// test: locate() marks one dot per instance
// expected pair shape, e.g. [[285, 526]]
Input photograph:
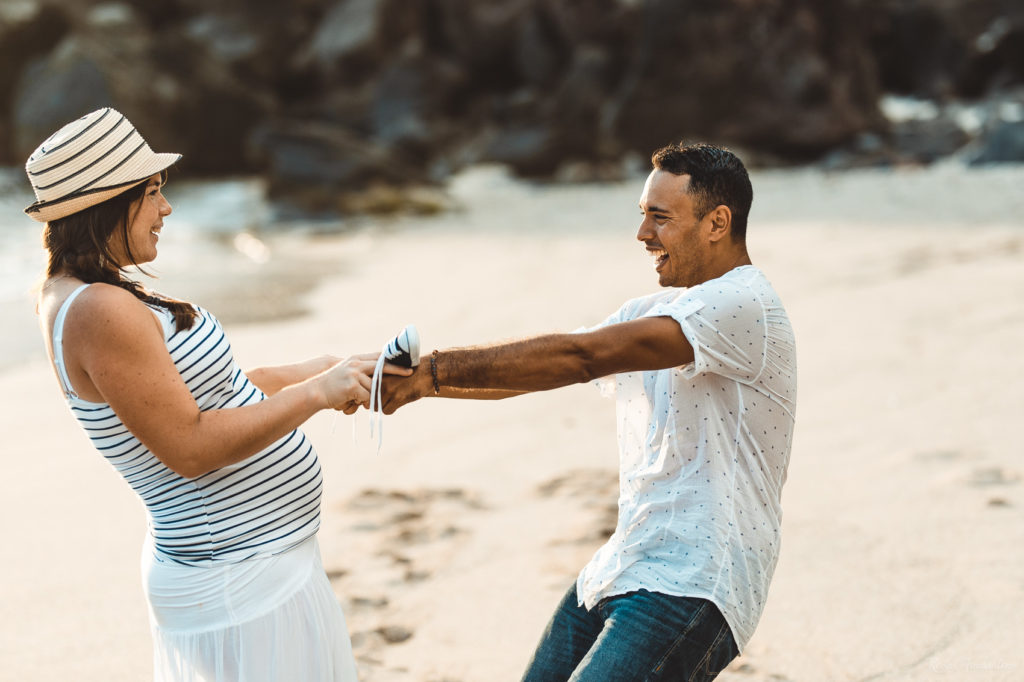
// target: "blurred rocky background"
[[329, 99]]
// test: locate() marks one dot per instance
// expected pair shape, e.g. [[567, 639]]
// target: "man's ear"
[[721, 222]]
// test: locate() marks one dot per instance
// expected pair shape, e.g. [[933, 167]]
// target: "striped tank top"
[[262, 505]]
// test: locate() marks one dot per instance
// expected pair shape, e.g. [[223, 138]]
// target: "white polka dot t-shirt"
[[703, 453]]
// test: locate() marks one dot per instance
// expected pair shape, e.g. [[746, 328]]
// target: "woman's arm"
[[112, 337], [270, 380]]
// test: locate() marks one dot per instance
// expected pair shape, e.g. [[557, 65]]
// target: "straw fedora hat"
[[87, 162]]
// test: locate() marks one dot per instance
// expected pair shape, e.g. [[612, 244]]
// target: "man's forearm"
[[543, 362], [536, 364]]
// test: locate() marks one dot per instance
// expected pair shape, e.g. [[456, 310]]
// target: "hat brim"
[[45, 211]]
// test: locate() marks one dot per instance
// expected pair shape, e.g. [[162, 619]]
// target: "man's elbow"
[[586, 363]]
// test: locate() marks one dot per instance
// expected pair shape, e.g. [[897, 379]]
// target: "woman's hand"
[[346, 385]]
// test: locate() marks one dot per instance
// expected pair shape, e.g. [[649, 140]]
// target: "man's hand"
[[397, 391]]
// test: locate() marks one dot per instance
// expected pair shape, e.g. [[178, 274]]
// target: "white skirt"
[[262, 620]]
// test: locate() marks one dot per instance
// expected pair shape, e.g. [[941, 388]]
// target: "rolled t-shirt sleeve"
[[620, 315], [724, 325], [606, 384], [723, 322]]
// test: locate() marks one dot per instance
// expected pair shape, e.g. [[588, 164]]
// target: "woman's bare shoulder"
[[109, 309]]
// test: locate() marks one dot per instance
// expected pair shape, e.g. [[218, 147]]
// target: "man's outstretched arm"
[[544, 362]]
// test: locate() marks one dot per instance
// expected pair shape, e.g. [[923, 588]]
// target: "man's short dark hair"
[[717, 178]]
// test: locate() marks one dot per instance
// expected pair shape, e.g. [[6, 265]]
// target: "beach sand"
[[903, 538]]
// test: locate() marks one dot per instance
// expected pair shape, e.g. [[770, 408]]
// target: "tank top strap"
[[58, 345]]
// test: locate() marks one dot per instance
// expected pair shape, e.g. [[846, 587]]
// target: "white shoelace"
[[376, 415], [376, 400], [392, 349]]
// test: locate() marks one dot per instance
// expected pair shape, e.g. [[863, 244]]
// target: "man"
[[704, 375]]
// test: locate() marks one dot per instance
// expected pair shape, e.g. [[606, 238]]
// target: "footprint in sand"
[[745, 668], [409, 520], [992, 476], [599, 490], [408, 535], [368, 603]]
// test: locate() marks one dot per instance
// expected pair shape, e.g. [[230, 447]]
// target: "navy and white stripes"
[[261, 505]]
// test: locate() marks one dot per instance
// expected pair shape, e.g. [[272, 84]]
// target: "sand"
[[903, 538]]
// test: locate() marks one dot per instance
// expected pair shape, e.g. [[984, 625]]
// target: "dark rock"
[[1004, 143], [480, 35], [926, 141], [867, 150], [394, 634], [179, 96], [576, 106], [312, 165], [397, 113], [53, 92], [27, 32], [259, 42], [410, 93], [802, 82], [949, 49], [226, 37], [348, 29], [524, 148], [916, 49], [541, 49], [329, 97], [997, 60], [303, 154]]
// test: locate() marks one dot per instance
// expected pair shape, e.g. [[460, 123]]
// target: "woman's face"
[[147, 219]]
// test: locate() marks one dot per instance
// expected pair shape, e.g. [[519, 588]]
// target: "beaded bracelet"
[[433, 372]]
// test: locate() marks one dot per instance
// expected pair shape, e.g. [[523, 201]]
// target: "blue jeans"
[[642, 636]]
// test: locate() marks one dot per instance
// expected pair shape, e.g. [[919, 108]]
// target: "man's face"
[[670, 230]]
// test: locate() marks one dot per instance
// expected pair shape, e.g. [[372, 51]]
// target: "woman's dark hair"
[[79, 245], [717, 178]]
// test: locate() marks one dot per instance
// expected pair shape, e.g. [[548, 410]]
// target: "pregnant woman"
[[231, 486]]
